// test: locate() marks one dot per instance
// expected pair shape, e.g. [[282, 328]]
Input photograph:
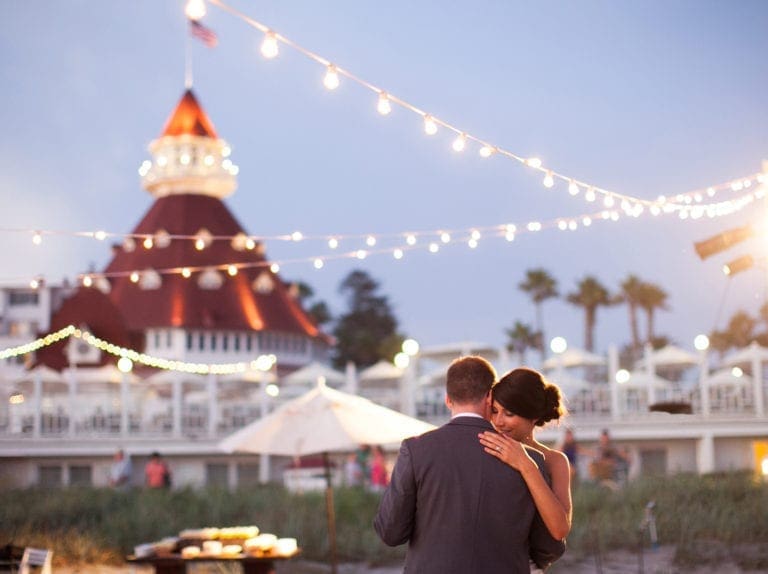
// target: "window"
[[237, 341], [157, 339], [80, 475], [247, 475], [189, 341], [249, 342], [49, 476], [216, 474], [225, 342], [24, 298], [213, 341], [200, 342]]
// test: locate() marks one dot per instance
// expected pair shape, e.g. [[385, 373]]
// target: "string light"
[[486, 151], [269, 47], [384, 107], [459, 143], [195, 9], [548, 180], [37, 239], [430, 126], [331, 79]]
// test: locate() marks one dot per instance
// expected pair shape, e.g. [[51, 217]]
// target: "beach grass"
[[712, 517]]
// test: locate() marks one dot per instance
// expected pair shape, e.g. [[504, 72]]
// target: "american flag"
[[205, 35]]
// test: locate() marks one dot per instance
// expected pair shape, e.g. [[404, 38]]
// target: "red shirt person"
[[156, 472]]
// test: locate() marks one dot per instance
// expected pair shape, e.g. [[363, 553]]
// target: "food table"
[[256, 552], [176, 564]]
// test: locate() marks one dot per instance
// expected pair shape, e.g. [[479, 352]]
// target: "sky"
[[642, 98]]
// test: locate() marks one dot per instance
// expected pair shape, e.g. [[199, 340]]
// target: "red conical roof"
[[189, 119], [181, 302]]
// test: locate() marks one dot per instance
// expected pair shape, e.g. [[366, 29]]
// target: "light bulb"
[[148, 243], [548, 180], [370, 241], [318, 263], [384, 106], [397, 253], [411, 239], [200, 244], [37, 239], [297, 236], [134, 277], [486, 151], [331, 79], [573, 188], [430, 126], [100, 235], [195, 9], [361, 254], [274, 268], [186, 273], [232, 270], [589, 195], [608, 201], [269, 47], [434, 248], [459, 143], [533, 162], [333, 243], [87, 281], [445, 237]]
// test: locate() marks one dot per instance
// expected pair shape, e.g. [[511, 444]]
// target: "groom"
[[460, 510]]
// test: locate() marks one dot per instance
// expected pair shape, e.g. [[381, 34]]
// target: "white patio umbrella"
[[324, 420], [381, 371], [51, 380], [726, 378], [309, 375], [671, 355], [747, 355], [573, 358]]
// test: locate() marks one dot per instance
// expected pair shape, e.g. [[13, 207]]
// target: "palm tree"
[[540, 286], [631, 293], [651, 298], [590, 295], [520, 338]]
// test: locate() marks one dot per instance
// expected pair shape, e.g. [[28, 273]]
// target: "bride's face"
[[510, 424]]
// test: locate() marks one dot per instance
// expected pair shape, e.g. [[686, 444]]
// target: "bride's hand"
[[506, 450]]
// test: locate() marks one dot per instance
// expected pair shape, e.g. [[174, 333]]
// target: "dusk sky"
[[641, 98]]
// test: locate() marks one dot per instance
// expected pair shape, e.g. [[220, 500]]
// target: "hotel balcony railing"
[[592, 404]]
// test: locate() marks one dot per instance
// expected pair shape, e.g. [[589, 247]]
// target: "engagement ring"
[[498, 448]]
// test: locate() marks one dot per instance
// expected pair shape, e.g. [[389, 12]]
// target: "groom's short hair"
[[469, 379]]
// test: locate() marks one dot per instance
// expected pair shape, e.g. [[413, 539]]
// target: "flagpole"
[[188, 62]]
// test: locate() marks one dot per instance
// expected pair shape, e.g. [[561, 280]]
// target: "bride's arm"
[[553, 504]]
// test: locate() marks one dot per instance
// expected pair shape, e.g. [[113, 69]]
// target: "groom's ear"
[[448, 402]]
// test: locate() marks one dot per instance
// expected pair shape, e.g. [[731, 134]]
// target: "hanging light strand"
[[487, 149]]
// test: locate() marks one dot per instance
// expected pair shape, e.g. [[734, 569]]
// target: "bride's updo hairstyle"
[[525, 392]]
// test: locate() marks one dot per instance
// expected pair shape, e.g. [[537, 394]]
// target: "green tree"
[[520, 338], [540, 286], [651, 297], [367, 332], [590, 294], [631, 289], [318, 311]]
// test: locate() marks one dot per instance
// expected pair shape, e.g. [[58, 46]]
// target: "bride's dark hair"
[[527, 393]]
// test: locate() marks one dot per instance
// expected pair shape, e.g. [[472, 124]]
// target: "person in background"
[[352, 474], [379, 478], [570, 448], [610, 465], [363, 456], [524, 400], [459, 510], [120, 471], [156, 472]]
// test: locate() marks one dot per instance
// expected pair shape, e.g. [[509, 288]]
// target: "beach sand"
[[658, 561]]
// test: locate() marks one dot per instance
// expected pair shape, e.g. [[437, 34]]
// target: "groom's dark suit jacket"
[[460, 509]]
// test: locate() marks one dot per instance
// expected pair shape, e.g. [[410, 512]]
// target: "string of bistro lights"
[[691, 205], [432, 241], [684, 202], [263, 363]]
